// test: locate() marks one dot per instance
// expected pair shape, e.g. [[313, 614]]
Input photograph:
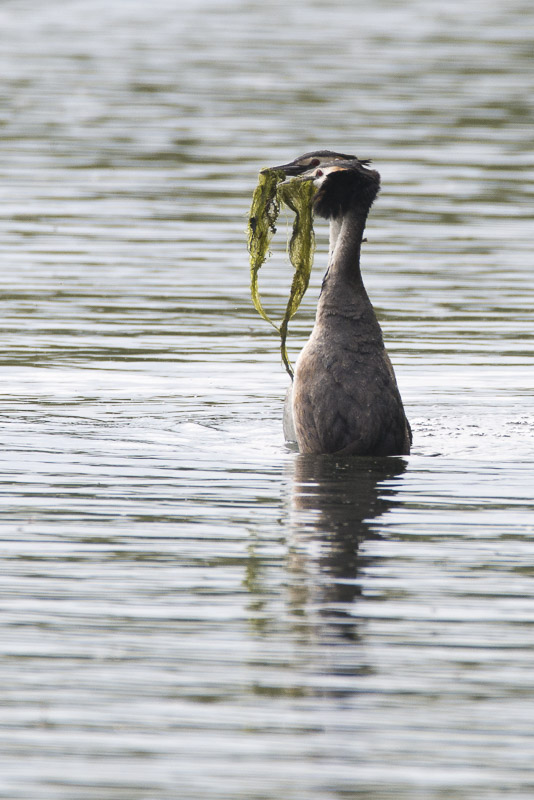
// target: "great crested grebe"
[[344, 398]]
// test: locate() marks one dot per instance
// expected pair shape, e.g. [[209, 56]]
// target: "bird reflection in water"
[[335, 505]]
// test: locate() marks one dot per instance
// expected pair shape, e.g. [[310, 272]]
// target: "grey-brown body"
[[345, 397]]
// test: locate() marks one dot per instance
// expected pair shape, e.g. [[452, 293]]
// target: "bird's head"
[[310, 160], [342, 185]]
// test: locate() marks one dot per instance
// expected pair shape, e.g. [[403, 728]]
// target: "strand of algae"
[[261, 229], [268, 196]]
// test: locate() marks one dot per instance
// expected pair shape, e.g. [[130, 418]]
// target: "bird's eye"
[[315, 162]]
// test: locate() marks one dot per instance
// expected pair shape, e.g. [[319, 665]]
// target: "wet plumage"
[[345, 397]]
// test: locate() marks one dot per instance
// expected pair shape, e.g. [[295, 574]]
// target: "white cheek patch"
[[322, 174]]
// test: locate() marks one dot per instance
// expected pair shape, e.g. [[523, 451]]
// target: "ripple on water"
[[187, 602]]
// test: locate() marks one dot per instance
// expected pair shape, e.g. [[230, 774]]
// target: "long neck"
[[343, 296], [335, 227], [346, 235]]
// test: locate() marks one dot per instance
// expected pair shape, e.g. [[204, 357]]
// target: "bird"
[[314, 159], [344, 399]]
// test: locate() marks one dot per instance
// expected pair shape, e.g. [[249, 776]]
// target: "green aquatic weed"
[[261, 229], [268, 196]]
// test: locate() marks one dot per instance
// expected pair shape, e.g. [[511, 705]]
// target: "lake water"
[[189, 609]]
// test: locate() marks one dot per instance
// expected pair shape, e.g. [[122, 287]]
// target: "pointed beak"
[[288, 169]]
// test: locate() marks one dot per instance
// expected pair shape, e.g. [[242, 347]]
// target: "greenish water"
[[188, 608]]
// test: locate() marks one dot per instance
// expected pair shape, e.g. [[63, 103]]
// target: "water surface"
[[190, 609]]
